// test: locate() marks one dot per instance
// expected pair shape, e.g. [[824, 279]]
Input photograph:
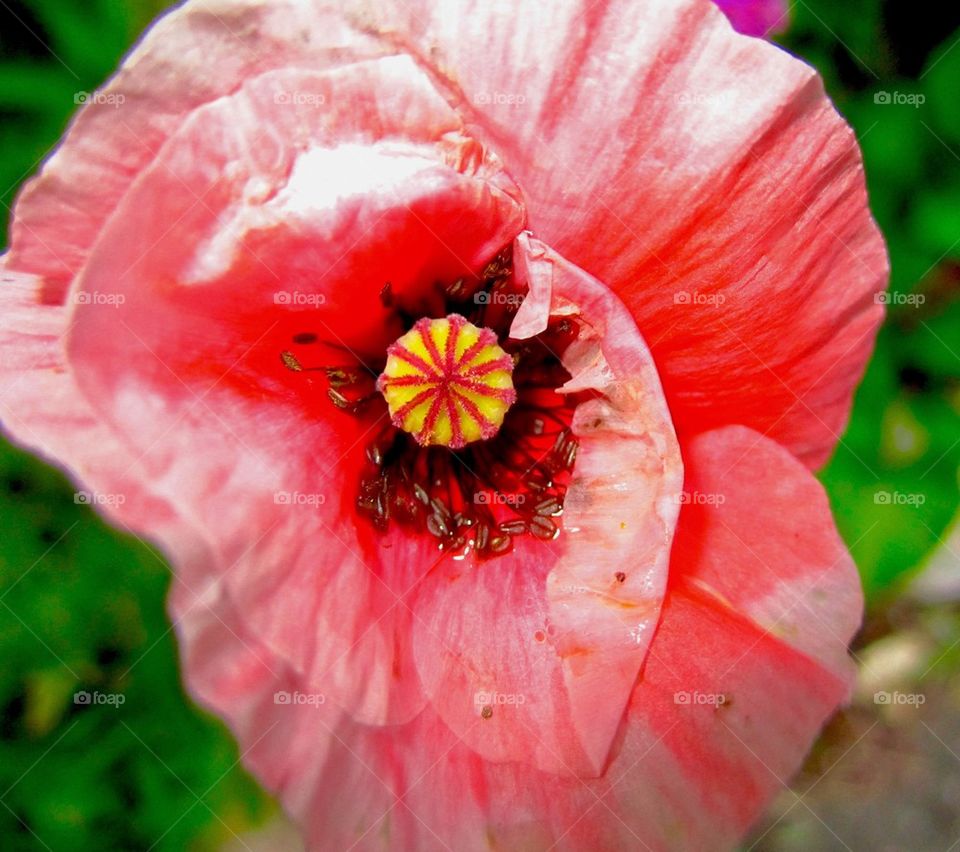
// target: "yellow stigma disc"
[[448, 382]]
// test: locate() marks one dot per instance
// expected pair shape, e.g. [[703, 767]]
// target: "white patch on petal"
[[323, 177], [320, 181]]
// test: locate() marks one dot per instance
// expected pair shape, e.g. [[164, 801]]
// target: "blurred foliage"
[[51, 51], [895, 75], [81, 605], [82, 611]]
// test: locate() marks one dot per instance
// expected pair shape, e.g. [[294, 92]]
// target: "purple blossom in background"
[[757, 17]]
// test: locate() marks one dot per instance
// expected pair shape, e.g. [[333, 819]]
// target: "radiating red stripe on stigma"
[[407, 407], [402, 352]]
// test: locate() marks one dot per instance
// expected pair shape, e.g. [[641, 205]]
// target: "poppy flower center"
[[448, 382], [477, 449]]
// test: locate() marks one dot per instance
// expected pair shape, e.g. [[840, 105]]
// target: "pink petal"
[[559, 631], [42, 408], [685, 775], [755, 535]]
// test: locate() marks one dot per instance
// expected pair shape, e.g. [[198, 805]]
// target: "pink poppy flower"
[[575, 586]]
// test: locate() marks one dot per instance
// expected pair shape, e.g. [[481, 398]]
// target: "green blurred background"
[[82, 606]]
